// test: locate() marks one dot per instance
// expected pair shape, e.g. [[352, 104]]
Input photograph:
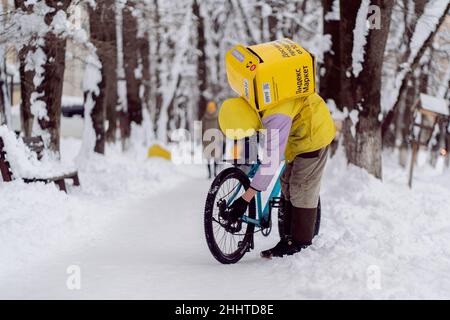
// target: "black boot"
[[303, 226], [284, 219], [280, 249], [209, 170], [215, 169], [302, 233], [284, 227]]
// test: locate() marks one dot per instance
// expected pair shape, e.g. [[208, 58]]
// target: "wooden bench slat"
[[4, 164]]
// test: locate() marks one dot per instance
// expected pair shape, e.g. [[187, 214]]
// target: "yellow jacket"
[[312, 126]]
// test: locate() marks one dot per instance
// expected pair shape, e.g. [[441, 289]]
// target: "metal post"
[[413, 161]]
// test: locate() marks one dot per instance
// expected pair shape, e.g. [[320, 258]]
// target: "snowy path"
[[148, 253], [378, 240]]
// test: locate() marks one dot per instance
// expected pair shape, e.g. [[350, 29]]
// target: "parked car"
[[72, 121], [72, 106]]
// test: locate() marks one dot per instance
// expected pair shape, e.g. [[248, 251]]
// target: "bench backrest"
[[36, 144], [4, 164]]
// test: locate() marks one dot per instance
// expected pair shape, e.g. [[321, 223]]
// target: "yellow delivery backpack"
[[268, 73]]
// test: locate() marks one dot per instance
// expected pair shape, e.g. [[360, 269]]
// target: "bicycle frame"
[[263, 213]]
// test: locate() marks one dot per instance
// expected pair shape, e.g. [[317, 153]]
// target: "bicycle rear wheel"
[[228, 242]]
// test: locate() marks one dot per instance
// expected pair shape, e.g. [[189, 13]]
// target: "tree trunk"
[[201, 63], [110, 71], [144, 51], [103, 36], [2, 91], [122, 113], [51, 86], [98, 30], [362, 93], [26, 88], [49, 91], [158, 94], [272, 20], [131, 64], [330, 87], [26, 81]]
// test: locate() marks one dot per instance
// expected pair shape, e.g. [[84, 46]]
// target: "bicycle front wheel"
[[228, 242]]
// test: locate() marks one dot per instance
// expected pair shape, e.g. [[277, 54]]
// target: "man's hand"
[[249, 194], [237, 209]]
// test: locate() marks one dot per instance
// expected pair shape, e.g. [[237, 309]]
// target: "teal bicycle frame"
[[263, 213]]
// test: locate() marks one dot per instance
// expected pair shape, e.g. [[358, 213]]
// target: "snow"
[[135, 230], [24, 163], [426, 24], [434, 104], [59, 23], [334, 14], [360, 38], [335, 112], [72, 101]]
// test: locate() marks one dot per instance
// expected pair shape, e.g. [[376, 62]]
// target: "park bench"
[[36, 145]]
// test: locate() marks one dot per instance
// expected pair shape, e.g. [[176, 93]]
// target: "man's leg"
[[284, 218], [284, 213], [215, 168], [305, 182], [209, 169]]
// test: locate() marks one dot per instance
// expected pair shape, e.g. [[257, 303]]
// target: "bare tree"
[[361, 90], [131, 64], [202, 76], [26, 79], [144, 55], [103, 36], [48, 91], [407, 91], [330, 87], [158, 82], [110, 71], [2, 90]]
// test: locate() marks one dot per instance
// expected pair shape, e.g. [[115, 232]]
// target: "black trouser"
[[214, 165]]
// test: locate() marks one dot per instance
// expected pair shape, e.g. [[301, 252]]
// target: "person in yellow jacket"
[[301, 129]]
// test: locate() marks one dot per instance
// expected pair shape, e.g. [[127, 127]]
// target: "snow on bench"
[[23, 163], [435, 105]]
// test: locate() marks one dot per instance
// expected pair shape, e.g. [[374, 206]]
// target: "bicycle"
[[217, 203]]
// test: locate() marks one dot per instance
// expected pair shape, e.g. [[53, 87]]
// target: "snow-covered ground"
[[135, 230]]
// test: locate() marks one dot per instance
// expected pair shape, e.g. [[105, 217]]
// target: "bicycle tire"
[[245, 243]]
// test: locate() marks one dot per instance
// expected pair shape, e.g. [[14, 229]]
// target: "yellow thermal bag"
[[268, 73]]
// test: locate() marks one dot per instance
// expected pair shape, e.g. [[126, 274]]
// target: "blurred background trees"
[[158, 63]]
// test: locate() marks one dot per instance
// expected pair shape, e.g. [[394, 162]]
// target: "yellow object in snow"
[[157, 151], [269, 73]]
